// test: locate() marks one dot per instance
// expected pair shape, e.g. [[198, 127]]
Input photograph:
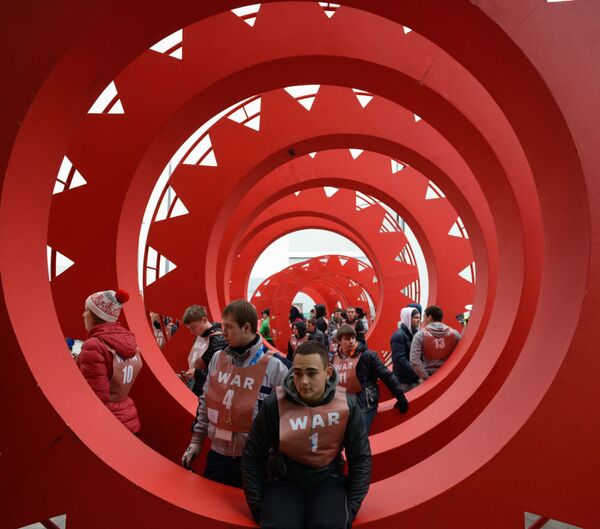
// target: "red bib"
[[312, 436], [232, 393], [125, 371], [438, 348], [198, 349], [346, 368], [295, 342]]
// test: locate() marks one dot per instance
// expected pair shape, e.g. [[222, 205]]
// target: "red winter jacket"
[[96, 364]]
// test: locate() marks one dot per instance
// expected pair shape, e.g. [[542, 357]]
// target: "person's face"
[[427, 320], [416, 320], [347, 344], [310, 327], [351, 313], [88, 319], [296, 331], [234, 334], [198, 327], [310, 377]]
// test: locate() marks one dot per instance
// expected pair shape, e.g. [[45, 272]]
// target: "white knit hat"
[[107, 304]]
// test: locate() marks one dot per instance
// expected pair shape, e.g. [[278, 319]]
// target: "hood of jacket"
[[320, 311], [292, 393], [116, 337], [301, 326], [406, 318], [438, 329]]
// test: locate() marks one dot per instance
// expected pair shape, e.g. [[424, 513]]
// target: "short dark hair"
[[435, 312], [312, 347], [194, 313], [266, 311], [345, 330], [243, 312], [312, 321]]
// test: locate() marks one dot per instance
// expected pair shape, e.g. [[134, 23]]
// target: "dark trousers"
[[368, 417], [223, 469], [287, 505]]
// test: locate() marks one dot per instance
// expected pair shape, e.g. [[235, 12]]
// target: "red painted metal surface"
[[501, 82]]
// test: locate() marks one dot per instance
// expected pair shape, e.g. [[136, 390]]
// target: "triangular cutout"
[[254, 123], [329, 8], [166, 266], [179, 209], [374, 279], [468, 273], [535, 520], [58, 263], [77, 180], [324, 260], [406, 30], [361, 267], [171, 45], [364, 100], [330, 191], [312, 154], [209, 160], [356, 152], [431, 194], [304, 94], [396, 166], [117, 108], [257, 294], [307, 102], [108, 102], [361, 203], [417, 118], [458, 230], [343, 261], [247, 13]]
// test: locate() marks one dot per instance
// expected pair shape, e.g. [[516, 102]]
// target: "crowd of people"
[[291, 430]]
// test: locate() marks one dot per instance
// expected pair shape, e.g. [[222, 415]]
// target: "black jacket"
[[263, 445], [215, 343], [369, 370], [400, 345], [360, 330]]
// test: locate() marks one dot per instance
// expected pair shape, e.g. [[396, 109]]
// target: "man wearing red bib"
[[239, 378], [433, 344], [359, 370], [300, 431]]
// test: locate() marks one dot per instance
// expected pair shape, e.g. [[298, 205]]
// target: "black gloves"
[[402, 404]]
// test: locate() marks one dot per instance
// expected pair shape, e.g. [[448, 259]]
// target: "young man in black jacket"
[[301, 430], [359, 370], [209, 340]]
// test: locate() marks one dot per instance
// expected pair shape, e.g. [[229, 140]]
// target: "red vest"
[[198, 349], [232, 393], [125, 371], [312, 436], [346, 368], [438, 348], [295, 342]]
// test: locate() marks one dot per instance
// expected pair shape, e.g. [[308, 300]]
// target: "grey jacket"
[[423, 366], [274, 375]]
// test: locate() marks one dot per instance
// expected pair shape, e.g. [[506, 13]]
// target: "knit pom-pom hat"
[[107, 304]]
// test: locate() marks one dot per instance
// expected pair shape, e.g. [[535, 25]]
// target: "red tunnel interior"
[[475, 123]]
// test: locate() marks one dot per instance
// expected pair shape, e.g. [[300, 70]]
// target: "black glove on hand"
[[402, 404]]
